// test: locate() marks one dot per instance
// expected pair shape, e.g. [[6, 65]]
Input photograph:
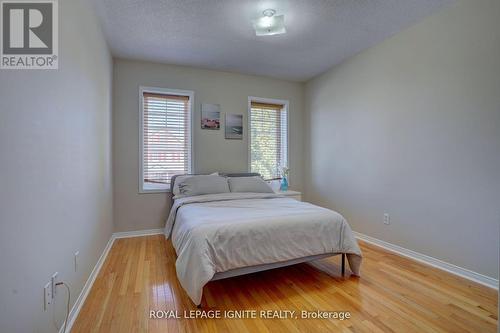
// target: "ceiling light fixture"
[[269, 24]]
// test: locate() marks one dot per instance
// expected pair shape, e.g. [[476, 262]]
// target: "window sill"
[[154, 188]]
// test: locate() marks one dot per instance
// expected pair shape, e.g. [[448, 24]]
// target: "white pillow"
[[179, 179], [249, 184], [203, 184]]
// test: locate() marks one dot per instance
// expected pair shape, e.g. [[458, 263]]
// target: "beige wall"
[[412, 127], [55, 172], [134, 211]]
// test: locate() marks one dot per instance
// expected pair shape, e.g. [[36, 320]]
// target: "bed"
[[222, 235]]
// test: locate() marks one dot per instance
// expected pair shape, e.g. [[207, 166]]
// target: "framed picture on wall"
[[234, 126], [210, 116]]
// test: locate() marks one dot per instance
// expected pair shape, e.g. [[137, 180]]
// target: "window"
[[165, 137], [268, 121]]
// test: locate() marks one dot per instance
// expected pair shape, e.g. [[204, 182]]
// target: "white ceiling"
[[218, 34]]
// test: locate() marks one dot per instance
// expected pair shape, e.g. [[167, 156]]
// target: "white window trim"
[[283, 102], [143, 89]]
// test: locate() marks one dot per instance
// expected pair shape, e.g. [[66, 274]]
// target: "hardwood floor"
[[394, 294]]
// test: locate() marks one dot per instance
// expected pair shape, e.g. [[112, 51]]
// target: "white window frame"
[[285, 104], [167, 91]]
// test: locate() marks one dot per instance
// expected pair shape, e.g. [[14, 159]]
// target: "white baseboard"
[[463, 272], [75, 310], [73, 314], [138, 233]]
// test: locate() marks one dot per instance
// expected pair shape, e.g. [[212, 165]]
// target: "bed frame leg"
[[343, 264]]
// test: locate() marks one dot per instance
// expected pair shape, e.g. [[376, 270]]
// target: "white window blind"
[[268, 138], [166, 136]]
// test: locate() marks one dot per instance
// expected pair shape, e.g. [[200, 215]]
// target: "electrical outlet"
[[47, 295], [53, 281], [387, 219], [77, 254]]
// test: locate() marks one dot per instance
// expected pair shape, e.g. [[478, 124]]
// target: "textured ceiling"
[[218, 34]]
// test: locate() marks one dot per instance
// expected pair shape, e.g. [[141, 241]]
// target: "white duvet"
[[219, 232]]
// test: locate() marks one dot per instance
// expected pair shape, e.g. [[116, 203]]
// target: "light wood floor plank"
[[395, 294]]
